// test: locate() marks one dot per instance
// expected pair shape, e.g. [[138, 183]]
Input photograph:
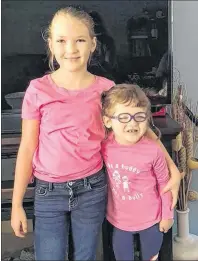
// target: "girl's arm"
[[23, 171], [175, 175]]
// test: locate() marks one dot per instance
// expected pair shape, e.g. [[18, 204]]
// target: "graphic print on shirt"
[[125, 184], [116, 177], [120, 185]]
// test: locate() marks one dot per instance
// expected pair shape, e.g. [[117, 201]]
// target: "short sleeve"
[[30, 108], [110, 85], [105, 84]]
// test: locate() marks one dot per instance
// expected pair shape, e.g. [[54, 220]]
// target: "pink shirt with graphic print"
[[71, 129], [137, 174]]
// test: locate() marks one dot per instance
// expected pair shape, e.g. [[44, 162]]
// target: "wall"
[[185, 44], [23, 21], [185, 57]]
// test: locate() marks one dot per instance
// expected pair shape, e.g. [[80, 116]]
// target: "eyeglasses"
[[127, 117]]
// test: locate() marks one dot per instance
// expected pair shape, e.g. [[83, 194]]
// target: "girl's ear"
[[50, 45], [94, 44], [107, 122]]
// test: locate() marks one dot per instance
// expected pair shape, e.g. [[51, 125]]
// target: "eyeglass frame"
[[132, 117]]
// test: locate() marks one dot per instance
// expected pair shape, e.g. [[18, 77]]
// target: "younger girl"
[[137, 174]]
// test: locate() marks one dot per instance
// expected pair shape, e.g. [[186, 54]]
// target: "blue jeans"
[[150, 243], [81, 204]]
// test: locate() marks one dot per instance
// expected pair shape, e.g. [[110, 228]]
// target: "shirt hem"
[[65, 178], [135, 228]]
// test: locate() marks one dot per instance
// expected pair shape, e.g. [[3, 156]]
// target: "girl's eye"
[[140, 118], [124, 117], [81, 40], [61, 41]]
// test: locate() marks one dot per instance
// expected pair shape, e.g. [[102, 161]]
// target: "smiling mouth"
[[132, 131], [72, 58]]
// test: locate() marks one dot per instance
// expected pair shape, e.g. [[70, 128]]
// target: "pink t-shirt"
[[137, 174], [71, 129]]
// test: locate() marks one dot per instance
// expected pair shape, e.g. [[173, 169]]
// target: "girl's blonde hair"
[[75, 12], [128, 94]]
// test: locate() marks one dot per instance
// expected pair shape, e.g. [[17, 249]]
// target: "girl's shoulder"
[[104, 84], [149, 143], [153, 147], [38, 84]]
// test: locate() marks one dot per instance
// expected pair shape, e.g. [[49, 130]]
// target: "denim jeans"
[[81, 204]]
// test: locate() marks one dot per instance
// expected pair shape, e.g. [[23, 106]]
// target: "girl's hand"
[[173, 185], [165, 225], [19, 221]]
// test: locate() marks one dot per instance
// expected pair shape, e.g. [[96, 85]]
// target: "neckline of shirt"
[[112, 139], [66, 91]]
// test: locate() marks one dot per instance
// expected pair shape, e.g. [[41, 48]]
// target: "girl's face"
[[71, 43], [130, 132]]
